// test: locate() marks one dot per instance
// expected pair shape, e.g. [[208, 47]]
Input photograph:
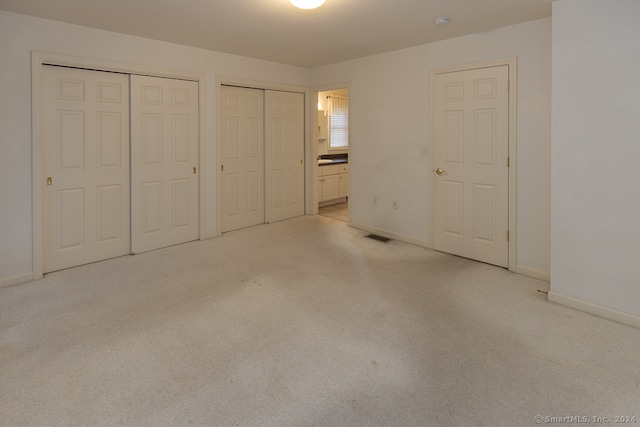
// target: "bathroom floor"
[[339, 211]]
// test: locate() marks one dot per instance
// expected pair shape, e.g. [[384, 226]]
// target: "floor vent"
[[378, 238]]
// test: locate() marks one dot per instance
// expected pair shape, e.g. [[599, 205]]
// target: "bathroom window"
[[338, 123]]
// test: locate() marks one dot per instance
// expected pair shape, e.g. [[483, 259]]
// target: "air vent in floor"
[[378, 238]]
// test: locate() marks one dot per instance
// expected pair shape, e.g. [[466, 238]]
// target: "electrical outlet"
[[375, 200], [394, 204]]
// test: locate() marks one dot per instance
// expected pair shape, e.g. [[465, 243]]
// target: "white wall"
[[596, 155], [390, 113], [19, 35]]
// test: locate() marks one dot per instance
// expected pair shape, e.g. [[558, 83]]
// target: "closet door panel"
[[86, 166], [284, 145], [164, 162], [242, 157]]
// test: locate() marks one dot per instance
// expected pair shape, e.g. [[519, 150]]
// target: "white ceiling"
[[274, 30]]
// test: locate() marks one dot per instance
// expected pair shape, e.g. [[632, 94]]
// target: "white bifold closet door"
[[262, 151], [106, 195], [164, 161]]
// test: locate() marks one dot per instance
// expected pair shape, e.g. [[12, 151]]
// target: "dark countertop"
[[335, 159], [333, 162]]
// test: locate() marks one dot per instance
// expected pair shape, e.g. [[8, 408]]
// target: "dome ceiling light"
[[307, 4]]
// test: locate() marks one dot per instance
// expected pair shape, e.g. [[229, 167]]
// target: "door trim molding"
[[222, 80], [512, 63], [38, 60]]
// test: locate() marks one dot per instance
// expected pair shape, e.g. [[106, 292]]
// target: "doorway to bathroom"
[[333, 153]]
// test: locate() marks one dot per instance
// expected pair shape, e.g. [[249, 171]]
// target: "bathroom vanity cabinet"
[[333, 181]]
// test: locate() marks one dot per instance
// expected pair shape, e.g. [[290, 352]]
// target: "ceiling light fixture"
[[307, 4], [443, 20]]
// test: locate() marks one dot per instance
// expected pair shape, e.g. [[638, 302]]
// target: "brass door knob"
[[440, 171]]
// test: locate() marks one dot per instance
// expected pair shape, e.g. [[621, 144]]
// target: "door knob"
[[440, 171]]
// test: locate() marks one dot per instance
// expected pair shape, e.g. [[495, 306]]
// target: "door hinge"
[[195, 170], [508, 161], [221, 168], [508, 87], [508, 236]]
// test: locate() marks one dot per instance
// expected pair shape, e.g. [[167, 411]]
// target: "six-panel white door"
[[242, 157], [164, 162], [471, 151], [284, 153], [86, 166]]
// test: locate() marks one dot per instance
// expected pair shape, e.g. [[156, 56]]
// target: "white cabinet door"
[[343, 185], [323, 124], [86, 163], [330, 188], [471, 164], [164, 161]]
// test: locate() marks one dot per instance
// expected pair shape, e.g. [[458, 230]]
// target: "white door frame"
[[38, 60], [308, 128], [512, 63]]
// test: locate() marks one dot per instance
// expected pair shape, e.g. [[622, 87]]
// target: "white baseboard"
[[595, 309], [16, 280], [536, 274], [390, 235]]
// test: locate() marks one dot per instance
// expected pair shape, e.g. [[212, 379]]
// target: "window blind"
[[339, 123]]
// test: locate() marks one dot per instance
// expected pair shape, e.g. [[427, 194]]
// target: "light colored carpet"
[[304, 323]]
